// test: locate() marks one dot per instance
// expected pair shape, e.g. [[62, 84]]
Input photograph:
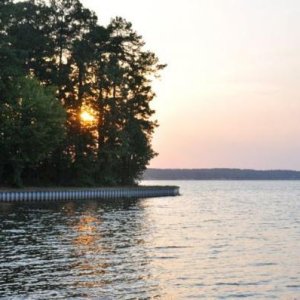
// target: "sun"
[[86, 117]]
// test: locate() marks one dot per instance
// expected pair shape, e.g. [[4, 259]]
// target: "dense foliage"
[[100, 72]]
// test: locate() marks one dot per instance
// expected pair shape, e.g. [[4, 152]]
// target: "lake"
[[219, 239]]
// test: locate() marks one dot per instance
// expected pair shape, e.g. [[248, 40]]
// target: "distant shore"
[[220, 174]]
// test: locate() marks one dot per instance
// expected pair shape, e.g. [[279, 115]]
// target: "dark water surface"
[[220, 239]]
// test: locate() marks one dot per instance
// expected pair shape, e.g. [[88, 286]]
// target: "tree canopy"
[[31, 126], [54, 54]]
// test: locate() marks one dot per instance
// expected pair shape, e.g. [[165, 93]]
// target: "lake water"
[[220, 239]]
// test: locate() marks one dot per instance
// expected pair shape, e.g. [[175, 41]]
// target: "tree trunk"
[[17, 175]]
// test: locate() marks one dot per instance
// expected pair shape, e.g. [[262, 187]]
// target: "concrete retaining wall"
[[89, 193]]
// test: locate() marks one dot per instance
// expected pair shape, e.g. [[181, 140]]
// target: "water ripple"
[[220, 240]]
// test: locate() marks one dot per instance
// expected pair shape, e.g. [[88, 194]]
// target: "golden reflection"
[[84, 240], [85, 223], [87, 230], [88, 243]]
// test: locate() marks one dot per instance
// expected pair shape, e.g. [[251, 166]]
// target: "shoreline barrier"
[[67, 194]]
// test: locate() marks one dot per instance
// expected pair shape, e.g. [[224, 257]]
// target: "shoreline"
[[66, 194]]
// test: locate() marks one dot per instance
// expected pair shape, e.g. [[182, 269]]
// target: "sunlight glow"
[[232, 80], [87, 117]]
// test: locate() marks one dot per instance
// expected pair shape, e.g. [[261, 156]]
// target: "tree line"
[[220, 174], [74, 96]]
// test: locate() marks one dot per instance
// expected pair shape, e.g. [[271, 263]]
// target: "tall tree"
[[10, 58], [125, 125]]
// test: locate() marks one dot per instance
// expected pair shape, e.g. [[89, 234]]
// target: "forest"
[[74, 97]]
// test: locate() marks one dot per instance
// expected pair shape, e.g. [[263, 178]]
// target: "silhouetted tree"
[[104, 69]]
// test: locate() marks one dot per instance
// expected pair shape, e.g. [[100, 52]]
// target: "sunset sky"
[[230, 96]]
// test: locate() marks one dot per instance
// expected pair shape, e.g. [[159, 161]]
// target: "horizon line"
[[213, 168]]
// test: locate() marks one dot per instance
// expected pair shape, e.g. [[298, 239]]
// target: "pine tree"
[[103, 69]]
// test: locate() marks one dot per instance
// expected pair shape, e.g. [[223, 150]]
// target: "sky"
[[230, 95]]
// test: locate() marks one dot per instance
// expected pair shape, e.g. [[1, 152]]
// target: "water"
[[220, 239]]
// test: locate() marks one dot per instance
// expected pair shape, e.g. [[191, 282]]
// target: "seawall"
[[67, 194]]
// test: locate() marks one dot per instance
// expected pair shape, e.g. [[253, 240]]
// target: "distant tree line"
[[220, 174], [74, 96]]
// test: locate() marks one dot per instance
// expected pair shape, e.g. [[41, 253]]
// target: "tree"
[[10, 58], [124, 76], [102, 69], [31, 126]]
